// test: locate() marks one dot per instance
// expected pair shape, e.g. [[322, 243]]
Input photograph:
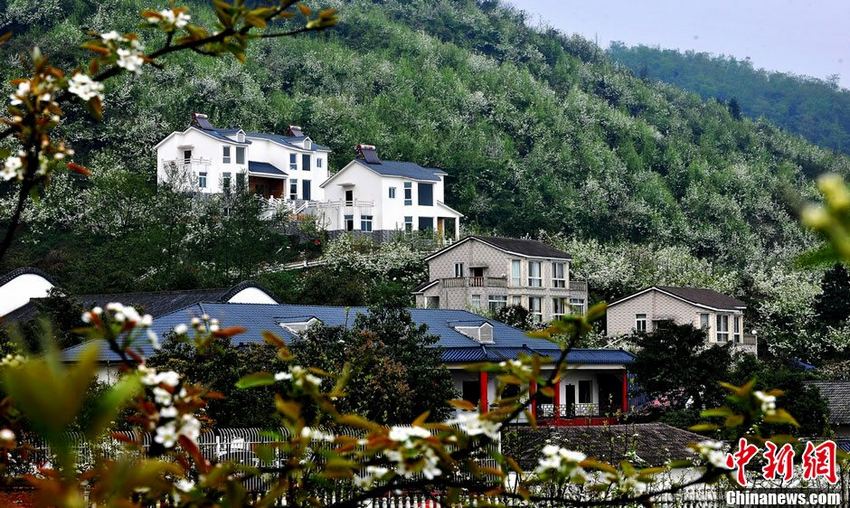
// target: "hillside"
[[816, 109], [539, 133]]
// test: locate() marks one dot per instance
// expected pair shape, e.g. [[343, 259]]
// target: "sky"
[[808, 37]]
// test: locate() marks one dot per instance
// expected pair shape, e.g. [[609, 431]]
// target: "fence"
[[239, 445]]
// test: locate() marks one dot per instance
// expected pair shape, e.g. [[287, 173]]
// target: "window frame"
[[535, 313], [721, 334], [459, 270], [496, 302], [391, 193], [293, 189], [559, 307], [641, 323], [516, 272], [366, 223], [225, 181], [559, 282], [408, 223], [293, 162], [348, 222], [408, 193], [535, 282], [240, 150], [202, 180], [225, 154], [475, 301], [736, 329], [306, 162]]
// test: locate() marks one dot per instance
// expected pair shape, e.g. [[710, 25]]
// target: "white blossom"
[[181, 329], [22, 92], [166, 435], [168, 412], [317, 435], [768, 402], [561, 462], [162, 396], [11, 167], [130, 59], [111, 36], [713, 452], [169, 378], [84, 87], [472, 424], [7, 435], [406, 434]]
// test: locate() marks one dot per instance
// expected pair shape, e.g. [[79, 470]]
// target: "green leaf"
[[113, 401], [256, 379], [703, 427], [781, 416], [716, 412]]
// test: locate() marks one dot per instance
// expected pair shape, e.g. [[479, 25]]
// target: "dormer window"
[[300, 324], [308, 144], [482, 333], [240, 136]]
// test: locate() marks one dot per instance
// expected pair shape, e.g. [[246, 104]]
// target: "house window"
[[349, 222], [458, 269], [722, 328], [577, 305], [703, 321], [318, 162], [516, 300], [408, 224], [349, 197], [475, 301], [736, 336], [305, 162], [305, 189], [535, 279], [293, 162], [640, 323], [496, 302], [293, 188], [426, 223], [225, 181], [240, 137], [432, 302], [472, 391], [426, 194], [225, 154], [187, 156], [559, 307], [408, 193], [516, 270], [392, 192], [585, 391], [558, 280], [365, 223], [202, 180], [240, 182], [535, 307], [240, 155]]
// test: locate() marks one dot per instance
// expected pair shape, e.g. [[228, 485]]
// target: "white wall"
[[387, 213], [17, 292]]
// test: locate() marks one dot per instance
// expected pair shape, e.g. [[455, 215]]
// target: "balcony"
[[578, 286], [748, 344], [475, 282], [346, 204], [192, 164]]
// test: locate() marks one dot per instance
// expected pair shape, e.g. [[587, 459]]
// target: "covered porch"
[[266, 180], [583, 395]]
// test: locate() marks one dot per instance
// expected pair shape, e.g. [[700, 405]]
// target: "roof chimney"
[[295, 130], [201, 121], [367, 153]]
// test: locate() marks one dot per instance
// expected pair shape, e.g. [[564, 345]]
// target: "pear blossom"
[[11, 167], [22, 92], [162, 396], [130, 59], [561, 462], [713, 452], [181, 329], [768, 402], [170, 19], [472, 424], [166, 435], [84, 87], [168, 412]]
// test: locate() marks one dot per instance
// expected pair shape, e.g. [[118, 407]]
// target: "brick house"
[[487, 273], [721, 316]]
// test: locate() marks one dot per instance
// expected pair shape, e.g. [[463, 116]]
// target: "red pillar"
[[625, 391], [532, 389], [485, 406], [556, 400]]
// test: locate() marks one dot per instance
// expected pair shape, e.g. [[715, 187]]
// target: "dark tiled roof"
[[404, 169], [523, 246], [256, 318], [653, 443], [837, 397], [425, 285], [223, 134], [17, 272], [265, 168], [286, 140], [702, 296]]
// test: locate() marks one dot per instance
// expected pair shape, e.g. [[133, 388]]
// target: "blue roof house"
[[593, 390]]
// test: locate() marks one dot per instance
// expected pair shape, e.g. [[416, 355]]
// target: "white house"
[[381, 197], [207, 159], [20, 286]]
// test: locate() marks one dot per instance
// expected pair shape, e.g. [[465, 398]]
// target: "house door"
[[610, 393], [569, 401], [477, 275]]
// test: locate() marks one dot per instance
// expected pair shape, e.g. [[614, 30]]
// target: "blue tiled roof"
[[286, 140], [457, 348], [404, 169], [265, 168], [223, 134]]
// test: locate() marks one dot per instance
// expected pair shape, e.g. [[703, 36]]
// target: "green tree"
[[673, 364], [832, 306], [218, 367], [395, 374]]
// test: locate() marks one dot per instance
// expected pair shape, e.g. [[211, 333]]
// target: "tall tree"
[[832, 306]]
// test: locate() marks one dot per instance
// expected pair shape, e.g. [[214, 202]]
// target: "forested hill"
[[537, 131], [816, 109]]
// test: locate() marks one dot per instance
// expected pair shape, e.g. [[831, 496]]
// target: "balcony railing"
[[578, 286], [475, 282], [568, 410], [346, 203], [186, 164]]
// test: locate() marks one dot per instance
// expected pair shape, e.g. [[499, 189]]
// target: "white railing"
[[345, 203]]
